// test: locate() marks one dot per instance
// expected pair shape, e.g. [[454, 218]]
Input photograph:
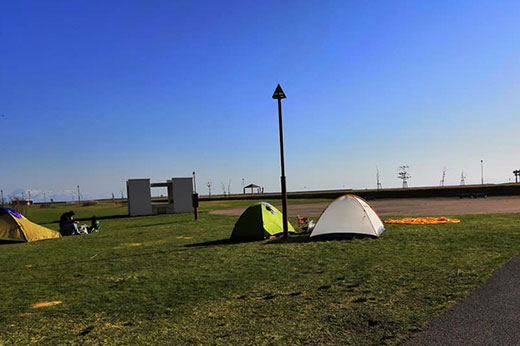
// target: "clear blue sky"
[[96, 92]]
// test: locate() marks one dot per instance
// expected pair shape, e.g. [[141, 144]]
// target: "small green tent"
[[259, 221]]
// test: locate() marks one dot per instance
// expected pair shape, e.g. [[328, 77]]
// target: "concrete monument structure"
[[180, 192]]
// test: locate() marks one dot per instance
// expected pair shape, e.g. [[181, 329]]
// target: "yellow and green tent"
[[15, 227], [259, 221]]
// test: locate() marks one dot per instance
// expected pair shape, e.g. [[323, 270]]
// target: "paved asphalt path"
[[490, 315]]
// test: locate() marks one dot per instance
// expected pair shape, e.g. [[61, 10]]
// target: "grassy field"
[[169, 280]]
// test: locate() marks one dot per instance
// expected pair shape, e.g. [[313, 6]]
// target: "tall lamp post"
[[279, 95], [195, 199]]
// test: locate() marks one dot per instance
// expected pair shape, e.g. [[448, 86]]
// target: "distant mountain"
[[39, 196]]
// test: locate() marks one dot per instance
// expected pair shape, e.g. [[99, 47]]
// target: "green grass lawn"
[[169, 280]]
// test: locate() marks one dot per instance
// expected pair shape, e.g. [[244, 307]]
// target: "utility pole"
[[2, 197], [482, 172], [403, 175], [443, 176], [279, 95], [516, 172], [209, 188], [27, 204], [379, 186], [79, 195]]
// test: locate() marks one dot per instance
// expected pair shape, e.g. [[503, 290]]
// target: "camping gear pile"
[[423, 220], [15, 227], [306, 224]]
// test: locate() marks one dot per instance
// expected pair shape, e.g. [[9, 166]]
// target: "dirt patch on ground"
[[45, 304], [412, 207]]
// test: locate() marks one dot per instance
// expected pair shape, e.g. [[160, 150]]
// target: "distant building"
[[253, 187], [180, 197], [22, 202]]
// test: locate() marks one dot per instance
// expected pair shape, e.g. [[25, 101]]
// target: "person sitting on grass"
[[94, 225], [68, 226]]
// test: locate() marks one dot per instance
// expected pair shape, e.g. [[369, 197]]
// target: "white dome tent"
[[348, 216]]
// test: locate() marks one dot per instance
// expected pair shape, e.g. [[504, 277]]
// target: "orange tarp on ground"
[[423, 220]]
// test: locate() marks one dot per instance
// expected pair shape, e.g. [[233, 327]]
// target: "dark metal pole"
[[482, 172], [195, 199], [282, 178]]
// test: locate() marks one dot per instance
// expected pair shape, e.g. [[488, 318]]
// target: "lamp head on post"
[[278, 93]]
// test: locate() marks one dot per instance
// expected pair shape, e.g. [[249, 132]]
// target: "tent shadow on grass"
[[7, 242], [219, 242], [305, 238], [293, 239], [342, 236]]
